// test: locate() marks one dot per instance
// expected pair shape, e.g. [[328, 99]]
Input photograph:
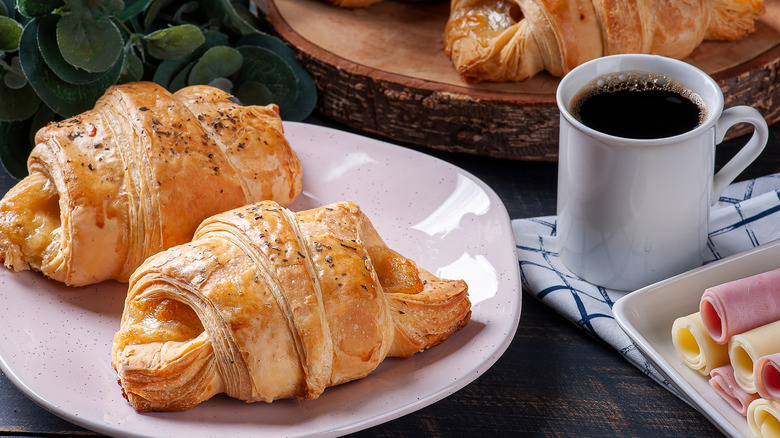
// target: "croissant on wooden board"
[[512, 40], [266, 304], [137, 174]]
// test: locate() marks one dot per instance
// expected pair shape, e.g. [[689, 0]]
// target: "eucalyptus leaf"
[[62, 97], [152, 12], [217, 62], [10, 6], [174, 42], [15, 147], [17, 140], [179, 80], [4, 10], [224, 11], [168, 69], [14, 80], [17, 103], [133, 8], [10, 32], [184, 9], [254, 92], [38, 8], [50, 50], [307, 89], [133, 69], [269, 69], [93, 46], [223, 84]]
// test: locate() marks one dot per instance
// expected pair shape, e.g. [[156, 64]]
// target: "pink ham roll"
[[767, 376], [725, 385], [740, 305]]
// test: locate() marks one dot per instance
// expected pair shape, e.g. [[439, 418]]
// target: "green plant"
[[57, 57]]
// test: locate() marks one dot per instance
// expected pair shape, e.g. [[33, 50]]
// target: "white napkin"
[[746, 215]]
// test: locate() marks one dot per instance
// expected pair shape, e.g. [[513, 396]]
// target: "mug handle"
[[748, 153]]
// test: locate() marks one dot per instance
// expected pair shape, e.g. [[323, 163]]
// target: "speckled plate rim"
[[57, 340], [647, 315]]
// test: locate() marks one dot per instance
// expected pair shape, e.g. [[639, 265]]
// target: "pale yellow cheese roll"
[[746, 348], [763, 417], [695, 346]]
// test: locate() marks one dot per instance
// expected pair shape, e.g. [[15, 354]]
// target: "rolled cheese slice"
[[767, 376], [740, 305], [763, 417], [745, 349], [723, 382], [694, 345]]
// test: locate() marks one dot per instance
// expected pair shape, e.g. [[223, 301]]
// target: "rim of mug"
[[712, 114]]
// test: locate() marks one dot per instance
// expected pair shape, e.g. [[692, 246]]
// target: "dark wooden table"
[[554, 379]]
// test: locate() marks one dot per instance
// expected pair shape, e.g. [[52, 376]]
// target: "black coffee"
[[638, 105]]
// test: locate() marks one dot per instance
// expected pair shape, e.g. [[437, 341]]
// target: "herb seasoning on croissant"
[[266, 304], [137, 174]]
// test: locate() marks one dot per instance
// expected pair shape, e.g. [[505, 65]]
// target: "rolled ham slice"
[[740, 305], [745, 349], [694, 345], [725, 385], [763, 417], [767, 376]]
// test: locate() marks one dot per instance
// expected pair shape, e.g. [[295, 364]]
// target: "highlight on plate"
[[733, 341]]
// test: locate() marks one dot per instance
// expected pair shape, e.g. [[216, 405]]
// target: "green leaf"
[[50, 50], [133, 8], [92, 45], [254, 92], [4, 9], [174, 42], [179, 80], [307, 89], [153, 10], [60, 96], [266, 67], [18, 138], [17, 103], [133, 70], [217, 62], [225, 12], [14, 147], [38, 8], [10, 32], [168, 69]]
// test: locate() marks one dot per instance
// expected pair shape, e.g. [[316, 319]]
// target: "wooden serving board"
[[383, 70]]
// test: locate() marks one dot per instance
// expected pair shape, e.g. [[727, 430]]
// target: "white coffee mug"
[[635, 211]]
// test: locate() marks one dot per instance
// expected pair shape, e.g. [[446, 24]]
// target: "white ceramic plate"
[[56, 341], [647, 316]]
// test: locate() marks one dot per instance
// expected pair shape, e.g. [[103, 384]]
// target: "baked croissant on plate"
[[266, 304], [512, 40], [137, 174]]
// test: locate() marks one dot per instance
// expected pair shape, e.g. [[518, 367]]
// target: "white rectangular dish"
[[647, 316], [56, 343]]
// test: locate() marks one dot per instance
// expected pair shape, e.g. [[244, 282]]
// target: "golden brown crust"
[[139, 172], [512, 40], [266, 304]]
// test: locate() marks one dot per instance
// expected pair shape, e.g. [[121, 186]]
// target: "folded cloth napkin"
[[746, 215]]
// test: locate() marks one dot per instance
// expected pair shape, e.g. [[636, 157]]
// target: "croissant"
[[266, 304], [137, 174], [512, 40]]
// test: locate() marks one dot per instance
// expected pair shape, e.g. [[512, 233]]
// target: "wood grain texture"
[[382, 70]]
